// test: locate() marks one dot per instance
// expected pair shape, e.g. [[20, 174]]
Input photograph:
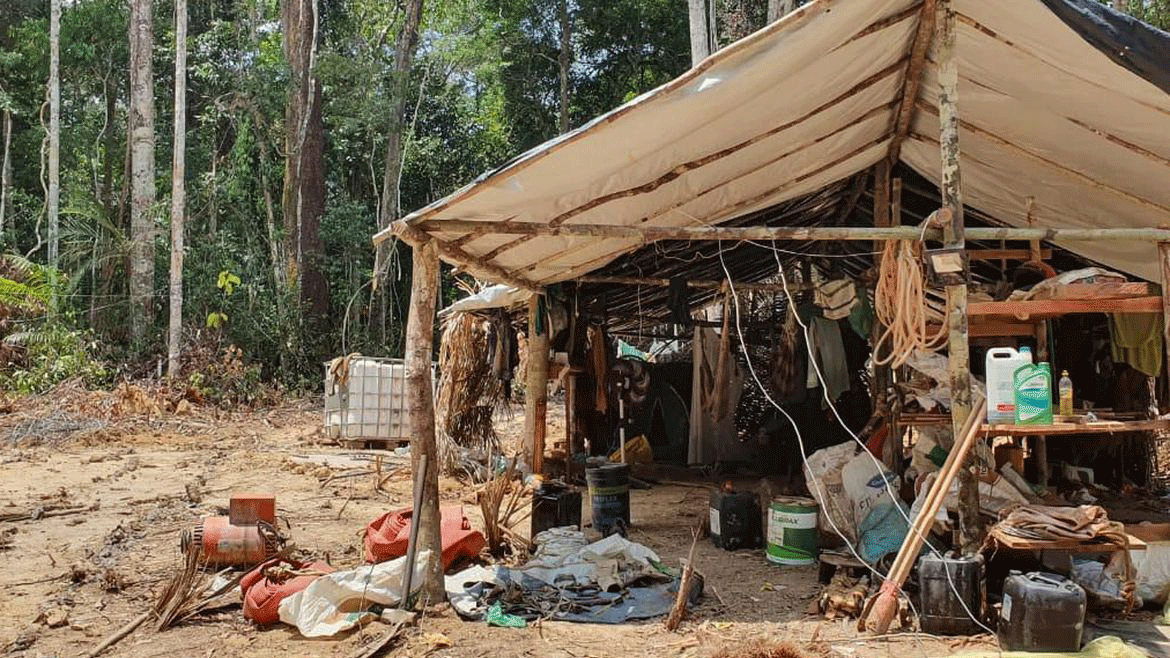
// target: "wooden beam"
[[646, 233], [536, 395], [1006, 254], [1048, 308], [420, 405], [1095, 427], [704, 285], [983, 328], [457, 256], [913, 77]]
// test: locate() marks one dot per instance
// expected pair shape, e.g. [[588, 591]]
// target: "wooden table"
[[1070, 545]]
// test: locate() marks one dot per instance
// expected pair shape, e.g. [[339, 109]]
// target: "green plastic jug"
[[1033, 387]]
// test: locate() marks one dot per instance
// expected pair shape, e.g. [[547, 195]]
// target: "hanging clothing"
[[1136, 339], [599, 368], [861, 316], [836, 298], [829, 350]]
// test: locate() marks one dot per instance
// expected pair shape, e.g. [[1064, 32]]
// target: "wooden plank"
[[1098, 291], [1096, 427], [1056, 307], [1070, 545], [1006, 254]]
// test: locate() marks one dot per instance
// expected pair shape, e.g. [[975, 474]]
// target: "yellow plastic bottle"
[[1066, 394]]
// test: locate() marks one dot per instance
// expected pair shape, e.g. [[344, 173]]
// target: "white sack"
[[341, 600]]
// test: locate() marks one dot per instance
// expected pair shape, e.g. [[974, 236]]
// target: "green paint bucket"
[[792, 531]]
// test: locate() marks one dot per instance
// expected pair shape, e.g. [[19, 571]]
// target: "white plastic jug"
[[1002, 363]]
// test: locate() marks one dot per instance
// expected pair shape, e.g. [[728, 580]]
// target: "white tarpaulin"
[[809, 101]]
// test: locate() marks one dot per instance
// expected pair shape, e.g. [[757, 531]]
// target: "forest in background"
[[305, 125]]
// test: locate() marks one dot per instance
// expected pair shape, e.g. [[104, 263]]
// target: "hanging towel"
[[1136, 339]]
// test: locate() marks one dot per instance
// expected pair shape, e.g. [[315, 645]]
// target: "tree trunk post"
[[54, 200], [6, 171], [959, 366], [536, 397], [420, 404], [700, 32], [178, 192], [142, 184], [564, 61], [1164, 260]]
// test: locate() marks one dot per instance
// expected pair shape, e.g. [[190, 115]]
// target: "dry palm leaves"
[[468, 395], [760, 649], [502, 500], [186, 593]]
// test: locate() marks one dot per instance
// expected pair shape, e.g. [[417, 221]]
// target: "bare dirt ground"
[[144, 473]]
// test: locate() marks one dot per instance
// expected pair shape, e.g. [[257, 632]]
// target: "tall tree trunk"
[[178, 192], [563, 63], [700, 34], [54, 201], [108, 156], [304, 189], [389, 209], [275, 251], [6, 172], [142, 191], [778, 9]]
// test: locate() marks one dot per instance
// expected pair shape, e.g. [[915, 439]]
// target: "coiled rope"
[[900, 305]]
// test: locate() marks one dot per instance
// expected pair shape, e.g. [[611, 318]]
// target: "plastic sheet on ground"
[[341, 600], [1102, 647], [609, 581]]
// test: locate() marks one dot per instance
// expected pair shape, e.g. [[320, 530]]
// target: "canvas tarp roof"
[[1059, 102]]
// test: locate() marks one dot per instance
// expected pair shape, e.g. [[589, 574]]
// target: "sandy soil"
[[71, 580]]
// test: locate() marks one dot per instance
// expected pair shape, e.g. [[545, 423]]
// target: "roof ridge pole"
[[950, 188]]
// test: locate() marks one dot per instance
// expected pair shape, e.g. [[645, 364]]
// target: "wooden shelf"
[[1096, 427], [1050, 308]]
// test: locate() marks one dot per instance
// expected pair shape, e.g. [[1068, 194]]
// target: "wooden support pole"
[[958, 348], [420, 405], [1164, 259], [536, 396], [1040, 441], [881, 373]]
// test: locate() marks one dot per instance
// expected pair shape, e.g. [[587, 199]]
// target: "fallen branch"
[[119, 634], [679, 610], [38, 514]]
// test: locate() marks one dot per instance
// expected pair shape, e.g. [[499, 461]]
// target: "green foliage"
[[49, 354]]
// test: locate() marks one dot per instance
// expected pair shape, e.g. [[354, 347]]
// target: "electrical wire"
[[878, 465]]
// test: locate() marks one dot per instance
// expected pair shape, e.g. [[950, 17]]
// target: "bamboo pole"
[[420, 404], [959, 359], [536, 397], [417, 232], [913, 78]]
